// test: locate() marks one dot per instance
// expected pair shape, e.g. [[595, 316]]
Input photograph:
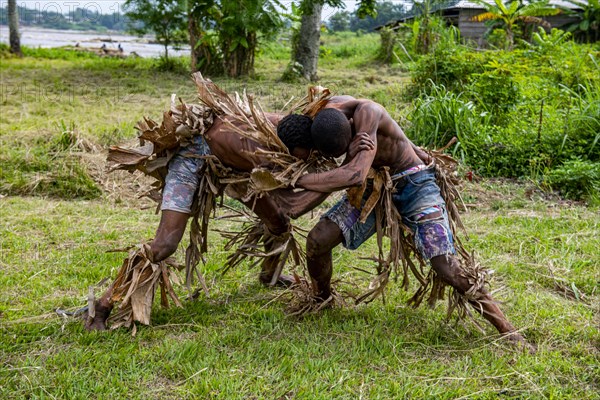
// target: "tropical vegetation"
[[527, 122]]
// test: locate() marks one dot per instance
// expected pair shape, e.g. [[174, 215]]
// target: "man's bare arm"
[[421, 153], [297, 204]]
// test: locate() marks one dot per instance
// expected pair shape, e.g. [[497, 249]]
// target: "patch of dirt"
[[490, 192], [119, 186]]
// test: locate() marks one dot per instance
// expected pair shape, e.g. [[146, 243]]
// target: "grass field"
[[238, 343]]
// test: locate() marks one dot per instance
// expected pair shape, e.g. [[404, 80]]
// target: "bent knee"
[[321, 241], [450, 271]]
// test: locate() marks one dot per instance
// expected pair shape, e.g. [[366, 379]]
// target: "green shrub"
[[576, 179], [179, 65], [498, 39], [582, 122], [510, 115], [440, 115], [388, 41], [451, 67], [495, 90]]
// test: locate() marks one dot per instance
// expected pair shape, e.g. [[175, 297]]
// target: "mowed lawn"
[[238, 343]]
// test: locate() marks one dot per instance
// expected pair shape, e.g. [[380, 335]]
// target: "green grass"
[[238, 343]]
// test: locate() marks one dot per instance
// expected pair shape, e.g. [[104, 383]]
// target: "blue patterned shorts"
[[183, 177], [417, 195]]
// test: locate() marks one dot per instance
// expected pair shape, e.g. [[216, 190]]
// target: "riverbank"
[[51, 38]]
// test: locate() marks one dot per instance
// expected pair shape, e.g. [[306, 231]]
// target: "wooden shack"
[[460, 14]]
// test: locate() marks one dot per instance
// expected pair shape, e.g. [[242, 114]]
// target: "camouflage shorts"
[[416, 196], [183, 177]]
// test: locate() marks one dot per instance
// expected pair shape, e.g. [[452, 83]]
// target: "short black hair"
[[331, 132], [294, 131]]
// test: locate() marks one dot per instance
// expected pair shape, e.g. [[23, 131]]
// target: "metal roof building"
[[461, 12]]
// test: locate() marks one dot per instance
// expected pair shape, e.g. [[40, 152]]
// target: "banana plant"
[[509, 14]]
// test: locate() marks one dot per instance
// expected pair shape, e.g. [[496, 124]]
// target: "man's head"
[[294, 132], [331, 132]]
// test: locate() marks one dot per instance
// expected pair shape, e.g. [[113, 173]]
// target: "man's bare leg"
[[278, 223], [449, 270], [168, 235], [323, 238], [269, 268]]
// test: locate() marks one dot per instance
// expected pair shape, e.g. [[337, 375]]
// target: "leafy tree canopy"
[[374, 14], [167, 19]]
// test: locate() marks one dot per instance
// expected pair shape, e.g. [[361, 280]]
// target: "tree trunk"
[[240, 62], [306, 50], [204, 57], [13, 26], [510, 38], [194, 39]]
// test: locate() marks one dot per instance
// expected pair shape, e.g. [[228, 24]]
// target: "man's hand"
[[361, 141]]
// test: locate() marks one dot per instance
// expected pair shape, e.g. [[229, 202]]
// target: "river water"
[[40, 37]]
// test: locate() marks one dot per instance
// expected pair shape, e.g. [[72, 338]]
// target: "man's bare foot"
[[98, 323], [323, 296], [517, 340], [284, 281]]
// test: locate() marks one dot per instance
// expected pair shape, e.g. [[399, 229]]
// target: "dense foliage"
[[167, 19], [225, 34], [511, 14], [586, 26], [385, 11], [528, 112]]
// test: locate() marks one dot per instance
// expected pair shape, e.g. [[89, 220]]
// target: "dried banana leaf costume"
[[163, 150], [377, 194], [137, 279]]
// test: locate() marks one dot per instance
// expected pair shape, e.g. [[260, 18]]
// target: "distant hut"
[[460, 13]]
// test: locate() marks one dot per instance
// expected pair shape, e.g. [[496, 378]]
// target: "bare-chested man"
[[417, 198], [275, 209]]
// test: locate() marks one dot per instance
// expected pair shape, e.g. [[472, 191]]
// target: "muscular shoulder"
[[345, 104], [349, 103]]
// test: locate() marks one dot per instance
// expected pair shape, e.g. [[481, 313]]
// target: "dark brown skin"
[[389, 147], [274, 210]]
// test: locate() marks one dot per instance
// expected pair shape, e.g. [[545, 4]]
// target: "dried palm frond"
[[302, 301], [136, 284], [313, 102], [255, 241], [402, 247]]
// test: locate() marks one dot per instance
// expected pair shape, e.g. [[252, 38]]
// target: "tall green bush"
[[577, 179], [495, 90], [451, 67]]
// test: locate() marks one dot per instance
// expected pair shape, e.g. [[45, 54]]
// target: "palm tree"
[[13, 27], [587, 26], [514, 12]]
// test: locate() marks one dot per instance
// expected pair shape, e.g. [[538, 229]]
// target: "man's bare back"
[[232, 149]]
